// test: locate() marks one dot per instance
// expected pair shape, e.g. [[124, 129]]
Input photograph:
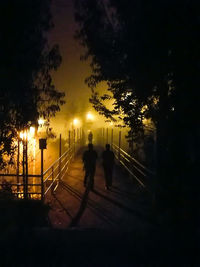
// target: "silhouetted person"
[[90, 137], [89, 159], [108, 164]]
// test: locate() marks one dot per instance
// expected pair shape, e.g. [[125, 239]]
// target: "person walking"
[[89, 160], [108, 164], [90, 137]]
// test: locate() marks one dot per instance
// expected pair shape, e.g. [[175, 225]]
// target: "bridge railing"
[[56, 171], [37, 186], [16, 184], [135, 169]]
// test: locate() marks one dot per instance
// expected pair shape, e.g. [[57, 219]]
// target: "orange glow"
[[40, 122], [32, 131], [90, 116], [23, 135], [75, 121]]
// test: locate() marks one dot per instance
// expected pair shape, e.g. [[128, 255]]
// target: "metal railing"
[[54, 174], [38, 186], [15, 184], [136, 170]]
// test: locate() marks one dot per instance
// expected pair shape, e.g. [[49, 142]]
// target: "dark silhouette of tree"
[[26, 87], [148, 53]]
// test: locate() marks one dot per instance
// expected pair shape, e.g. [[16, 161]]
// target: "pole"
[[23, 169], [74, 140], [69, 137], [60, 147], [77, 134], [119, 145], [18, 154], [60, 153], [26, 166], [42, 180]]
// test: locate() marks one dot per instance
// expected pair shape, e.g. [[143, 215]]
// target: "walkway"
[[124, 207]]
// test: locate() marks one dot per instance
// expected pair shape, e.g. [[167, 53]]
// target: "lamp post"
[[42, 146]]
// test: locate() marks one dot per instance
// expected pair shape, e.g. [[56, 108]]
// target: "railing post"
[[74, 140], [60, 152], [77, 135], [69, 137], [42, 178], [119, 145], [18, 154], [25, 169], [42, 146]]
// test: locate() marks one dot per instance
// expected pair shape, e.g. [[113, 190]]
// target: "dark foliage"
[[148, 53], [26, 88]]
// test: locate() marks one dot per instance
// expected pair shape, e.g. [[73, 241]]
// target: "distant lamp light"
[[21, 135], [90, 116], [75, 121], [40, 122], [32, 130]]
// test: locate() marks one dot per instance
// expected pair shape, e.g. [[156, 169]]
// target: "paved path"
[[124, 207]]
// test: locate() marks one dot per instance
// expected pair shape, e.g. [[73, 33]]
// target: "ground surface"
[[96, 229], [126, 206]]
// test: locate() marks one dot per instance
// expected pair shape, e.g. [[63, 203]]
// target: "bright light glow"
[[90, 116], [32, 130], [75, 121], [21, 135], [40, 122]]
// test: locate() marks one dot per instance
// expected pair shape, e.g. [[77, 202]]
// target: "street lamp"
[[90, 116], [40, 122], [75, 122]]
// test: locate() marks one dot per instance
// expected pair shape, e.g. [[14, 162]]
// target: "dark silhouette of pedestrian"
[[108, 164], [90, 137], [89, 159]]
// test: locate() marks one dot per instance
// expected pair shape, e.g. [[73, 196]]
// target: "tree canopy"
[[27, 61], [142, 50], [148, 54]]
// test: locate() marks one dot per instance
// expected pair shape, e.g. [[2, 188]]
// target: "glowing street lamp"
[[23, 135], [75, 122], [40, 122], [89, 116], [32, 131]]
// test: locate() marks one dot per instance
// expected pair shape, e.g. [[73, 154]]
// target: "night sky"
[[71, 74]]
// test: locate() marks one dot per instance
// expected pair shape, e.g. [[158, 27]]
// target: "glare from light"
[[40, 122], [90, 116], [75, 122], [32, 130], [21, 135]]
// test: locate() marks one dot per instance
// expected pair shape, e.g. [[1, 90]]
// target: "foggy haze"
[[70, 76]]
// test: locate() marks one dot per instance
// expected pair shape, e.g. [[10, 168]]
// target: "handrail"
[[56, 161], [136, 161], [53, 174], [58, 169], [133, 166], [132, 158]]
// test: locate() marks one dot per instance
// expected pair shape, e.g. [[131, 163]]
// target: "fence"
[[136, 170], [38, 186]]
